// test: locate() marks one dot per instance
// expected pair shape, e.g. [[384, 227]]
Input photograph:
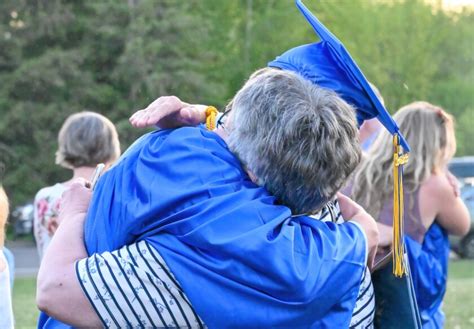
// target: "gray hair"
[[86, 139], [298, 139]]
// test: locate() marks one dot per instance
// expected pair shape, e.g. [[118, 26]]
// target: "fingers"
[[138, 119], [78, 193], [145, 118], [344, 198], [52, 225], [156, 111], [453, 181], [341, 197], [76, 198], [169, 112], [349, 208]]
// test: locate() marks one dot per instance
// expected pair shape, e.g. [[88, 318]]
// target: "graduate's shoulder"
[[196, 136], [199, 135], [188, 148]]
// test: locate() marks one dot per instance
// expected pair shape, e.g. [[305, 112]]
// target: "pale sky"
[[456, 4]]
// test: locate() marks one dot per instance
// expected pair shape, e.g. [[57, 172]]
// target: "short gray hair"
[[298, 139], [86, 139]]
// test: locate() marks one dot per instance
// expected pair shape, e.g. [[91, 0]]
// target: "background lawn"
[[24, 306], [459, 300]]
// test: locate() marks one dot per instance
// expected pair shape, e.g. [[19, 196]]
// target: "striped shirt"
[[364, 310], [133, 288]]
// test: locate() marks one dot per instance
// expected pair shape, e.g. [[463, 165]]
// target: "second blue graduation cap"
[[329, 65]]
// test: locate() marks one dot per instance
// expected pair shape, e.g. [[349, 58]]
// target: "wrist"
[[72, 216]]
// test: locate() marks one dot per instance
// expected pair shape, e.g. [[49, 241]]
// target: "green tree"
[[114, 57]]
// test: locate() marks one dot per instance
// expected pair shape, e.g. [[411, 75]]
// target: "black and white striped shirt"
[[133, 288]]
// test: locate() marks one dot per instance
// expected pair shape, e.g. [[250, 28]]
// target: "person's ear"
[[253, 178]]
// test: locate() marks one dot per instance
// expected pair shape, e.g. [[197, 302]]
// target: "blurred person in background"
[[369, 129], [6, 252], [368, 133], [433, 208], [6, 313], [85, 140], [11, 264]]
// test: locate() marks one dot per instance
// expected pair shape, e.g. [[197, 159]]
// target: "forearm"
[[371, 232], [354, 213], [66, 247], [369, 227], [169, 112], [58, 291]]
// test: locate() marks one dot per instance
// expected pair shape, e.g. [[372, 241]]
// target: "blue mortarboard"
[[329, 65]]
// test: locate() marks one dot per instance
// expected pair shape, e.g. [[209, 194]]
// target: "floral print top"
[[47, 204]]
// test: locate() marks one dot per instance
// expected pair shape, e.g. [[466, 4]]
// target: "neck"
[[221, 133], [81, 172]]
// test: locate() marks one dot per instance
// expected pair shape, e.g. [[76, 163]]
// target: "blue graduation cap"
[[329, 65]]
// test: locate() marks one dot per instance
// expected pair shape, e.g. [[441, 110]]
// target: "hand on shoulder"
[[439, 199], [169, 112]]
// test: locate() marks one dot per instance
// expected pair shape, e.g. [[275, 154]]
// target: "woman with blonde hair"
[[433, 207], [85, 140], [6, 314]]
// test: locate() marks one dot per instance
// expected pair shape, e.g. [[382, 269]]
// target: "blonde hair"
[[86, 139], [429, 131], [4, 210]]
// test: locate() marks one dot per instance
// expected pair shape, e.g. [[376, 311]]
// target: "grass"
[[458, 306], [24, 306], [459, 299]]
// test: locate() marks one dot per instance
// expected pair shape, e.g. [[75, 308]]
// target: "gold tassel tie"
[[398, 249], [211, 115]]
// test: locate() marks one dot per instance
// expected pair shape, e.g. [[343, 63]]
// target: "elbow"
[[462, 228], [45, 291], [460, 231], [44, 298], [43, 301], [465, 229]]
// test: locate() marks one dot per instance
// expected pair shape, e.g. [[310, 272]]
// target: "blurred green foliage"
[[114, 57]]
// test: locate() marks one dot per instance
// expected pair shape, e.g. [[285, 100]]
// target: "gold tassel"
[[398, 249], [211, 115]]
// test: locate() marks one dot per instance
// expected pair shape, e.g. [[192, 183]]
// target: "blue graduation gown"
[[429, 269], [241, 259]]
